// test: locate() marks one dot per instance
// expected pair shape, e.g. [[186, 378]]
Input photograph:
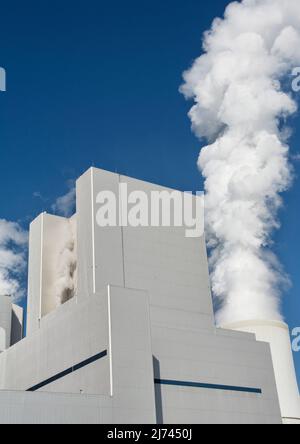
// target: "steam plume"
[[66, 267], [241, 104], [13, 241], [65, 205]]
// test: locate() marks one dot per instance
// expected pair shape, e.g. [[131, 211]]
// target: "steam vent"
[[120, 330]]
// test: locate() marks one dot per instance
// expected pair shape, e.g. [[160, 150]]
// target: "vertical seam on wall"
[[110, 342], [41, 269], [123, 259], [122, 233], [93, 231]]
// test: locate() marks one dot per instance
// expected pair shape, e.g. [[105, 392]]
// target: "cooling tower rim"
[[255, 323]]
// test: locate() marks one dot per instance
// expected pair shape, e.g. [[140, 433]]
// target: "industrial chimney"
[[277, 335]]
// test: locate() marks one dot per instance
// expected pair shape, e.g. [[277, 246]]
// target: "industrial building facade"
[[136, 342]]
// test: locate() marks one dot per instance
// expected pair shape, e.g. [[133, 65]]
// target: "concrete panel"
[[34, 275], [67, 337], [170, 266], [85, 235], [278, 336], [205, 357], [100, 260], [50, 408], [170, 318], [108, 240], [2, 339], [132, 378], [5, 320]]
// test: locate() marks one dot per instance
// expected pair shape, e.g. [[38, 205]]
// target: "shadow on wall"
[[158, 394], [17, 329]]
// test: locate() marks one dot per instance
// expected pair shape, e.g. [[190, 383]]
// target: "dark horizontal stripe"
[[208, 386], [68, 371]]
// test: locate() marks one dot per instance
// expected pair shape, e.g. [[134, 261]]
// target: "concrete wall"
[[34, 275], [54, 408], [2, 339], [137, 354], [100, 260], [278, 336], [130, 354], [172, 267], [212, 357], [116, 322], [11, 323], [66, 337], [49, 237], [5, 320], [161, 260]]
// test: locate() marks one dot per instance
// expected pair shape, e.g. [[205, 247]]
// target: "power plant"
[[121, 330]]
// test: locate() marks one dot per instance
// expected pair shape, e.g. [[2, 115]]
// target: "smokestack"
[[277, 335]]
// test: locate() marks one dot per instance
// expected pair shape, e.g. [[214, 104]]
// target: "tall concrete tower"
[[121, 328]]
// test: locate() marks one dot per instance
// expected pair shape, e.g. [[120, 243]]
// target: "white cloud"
[[13, 244], [65, 205], [239, 108]]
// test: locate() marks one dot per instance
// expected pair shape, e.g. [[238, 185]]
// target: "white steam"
[[240, 107], [13, 242], [65, 205], [66, 267], [65, 284]]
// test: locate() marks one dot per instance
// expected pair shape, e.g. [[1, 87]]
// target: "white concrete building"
[[11, 323], [120, 329]]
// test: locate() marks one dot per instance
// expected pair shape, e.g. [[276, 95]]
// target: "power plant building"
[[121, 330]]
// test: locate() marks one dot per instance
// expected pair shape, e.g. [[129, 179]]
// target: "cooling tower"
[[277, 335]]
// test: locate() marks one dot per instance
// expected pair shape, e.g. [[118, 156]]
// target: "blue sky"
[[96, 83]]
